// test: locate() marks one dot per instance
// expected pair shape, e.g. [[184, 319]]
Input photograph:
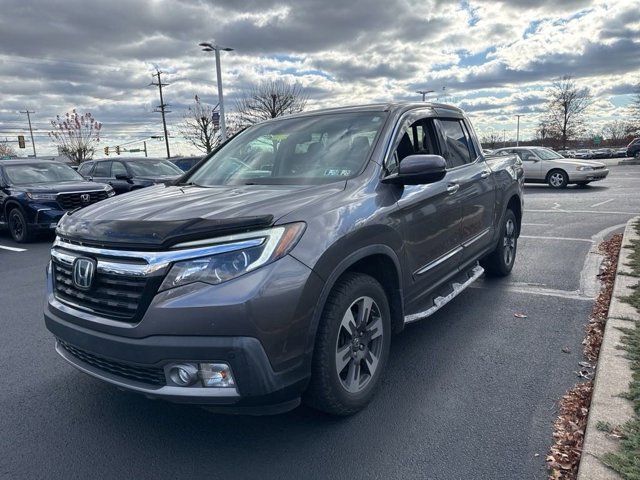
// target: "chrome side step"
[[441, 301]]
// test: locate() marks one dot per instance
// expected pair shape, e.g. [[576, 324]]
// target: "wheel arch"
[[378, 261]]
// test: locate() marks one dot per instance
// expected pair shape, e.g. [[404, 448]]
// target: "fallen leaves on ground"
[[568, 435], [520, 315]]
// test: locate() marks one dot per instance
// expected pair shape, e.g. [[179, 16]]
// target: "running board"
[[441, 301]]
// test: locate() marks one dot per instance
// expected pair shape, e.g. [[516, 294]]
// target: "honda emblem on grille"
[[84, 270], [85, 198]]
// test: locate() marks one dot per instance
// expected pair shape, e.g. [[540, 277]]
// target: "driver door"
[[429, 215], [531, 164]]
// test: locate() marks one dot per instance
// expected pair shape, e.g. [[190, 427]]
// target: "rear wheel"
[[18, 226], [558, 179], [352, 346], [499, 263]]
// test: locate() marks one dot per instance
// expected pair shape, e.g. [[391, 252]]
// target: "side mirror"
[[123, 176], [418, 170]]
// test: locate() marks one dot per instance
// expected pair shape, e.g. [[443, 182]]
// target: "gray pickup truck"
[[278, 268]]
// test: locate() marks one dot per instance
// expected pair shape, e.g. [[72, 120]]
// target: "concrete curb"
[[613, 373]]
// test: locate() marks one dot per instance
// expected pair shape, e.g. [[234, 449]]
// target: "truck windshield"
[[25, 174], [314, 149]]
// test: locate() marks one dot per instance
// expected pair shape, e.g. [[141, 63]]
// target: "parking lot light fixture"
[[209, 47]]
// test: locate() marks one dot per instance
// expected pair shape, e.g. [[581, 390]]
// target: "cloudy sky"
[[494, 59]]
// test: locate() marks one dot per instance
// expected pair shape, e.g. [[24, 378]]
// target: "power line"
[[162, 108]]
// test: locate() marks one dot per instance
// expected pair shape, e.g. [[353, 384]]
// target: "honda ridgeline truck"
[[278, 268]]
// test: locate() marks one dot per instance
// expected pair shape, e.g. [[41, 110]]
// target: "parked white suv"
[[543, 165]]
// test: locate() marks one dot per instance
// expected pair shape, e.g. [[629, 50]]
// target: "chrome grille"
[[71, 201], [113, 296], [150, 375]]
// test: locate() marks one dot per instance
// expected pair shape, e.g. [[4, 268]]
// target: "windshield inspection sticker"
[[334, 172]]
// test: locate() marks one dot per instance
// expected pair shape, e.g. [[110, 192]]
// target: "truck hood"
[[61, 187], [160, 216]]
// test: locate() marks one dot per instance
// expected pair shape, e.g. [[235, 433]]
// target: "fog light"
[[183, 375], [216, 375]]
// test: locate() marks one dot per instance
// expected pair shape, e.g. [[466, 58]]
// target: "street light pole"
[[208, 47], [518, 131]]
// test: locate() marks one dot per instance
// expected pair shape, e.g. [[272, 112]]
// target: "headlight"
[[584, 168], [110, 191], [273, 244], [42, 196]]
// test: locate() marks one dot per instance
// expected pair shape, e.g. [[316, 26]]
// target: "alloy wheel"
[[16, 226], [509, 242], [359, 344], [556, 179]]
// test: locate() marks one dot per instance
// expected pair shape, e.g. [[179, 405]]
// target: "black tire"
[[328, 389], [499, 263], [18, 226], [583, 184], [558, 179]]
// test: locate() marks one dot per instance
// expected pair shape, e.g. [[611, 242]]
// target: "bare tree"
[[201, 126], [566, 108], [270, 99], [490, 140], [615, 132], [7, 150], [76, 135], [543, 132], [634, 111]]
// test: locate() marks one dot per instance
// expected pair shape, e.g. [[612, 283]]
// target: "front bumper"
[[45, 217], [258, 324], [589, 175]]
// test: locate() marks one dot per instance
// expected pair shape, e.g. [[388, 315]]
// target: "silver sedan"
[[543, 165]]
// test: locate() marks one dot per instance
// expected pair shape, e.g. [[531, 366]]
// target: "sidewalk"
[[613, 373]]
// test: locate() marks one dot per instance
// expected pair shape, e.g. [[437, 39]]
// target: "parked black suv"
[[633, 149], [279, 267], [34, 194], [127, 174]]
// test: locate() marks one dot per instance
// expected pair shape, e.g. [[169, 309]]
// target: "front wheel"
[[499, 263], [352, 346], [18, 226], [558, 179]]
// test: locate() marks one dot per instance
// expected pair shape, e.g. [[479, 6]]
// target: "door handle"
[[485, 174], [452, 188]]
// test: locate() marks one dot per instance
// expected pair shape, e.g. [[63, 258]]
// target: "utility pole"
[[145, 148], [162, 108], [33, 144], [504, 137], [424, 93], [518, 131]]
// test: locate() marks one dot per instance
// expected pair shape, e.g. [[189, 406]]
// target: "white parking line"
[[601, 203], [536, 224], [597, 212], [566, 239], [13, 249]]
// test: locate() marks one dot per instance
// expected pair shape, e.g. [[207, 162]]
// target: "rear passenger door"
[[428, 215], [472, 177]]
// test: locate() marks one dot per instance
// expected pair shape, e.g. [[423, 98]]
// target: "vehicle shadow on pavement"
[[570, 190]]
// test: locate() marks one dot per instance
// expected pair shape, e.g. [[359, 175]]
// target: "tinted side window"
[[415, 138], [102, 169], [117, 168], [456, 142], [85, 169]]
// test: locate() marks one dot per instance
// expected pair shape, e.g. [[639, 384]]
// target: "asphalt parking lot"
[[469, 394]]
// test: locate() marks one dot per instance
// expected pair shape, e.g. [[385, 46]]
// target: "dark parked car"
[[186, 163], [127, 174], [34, 194], [279, 267], [633, 149]]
